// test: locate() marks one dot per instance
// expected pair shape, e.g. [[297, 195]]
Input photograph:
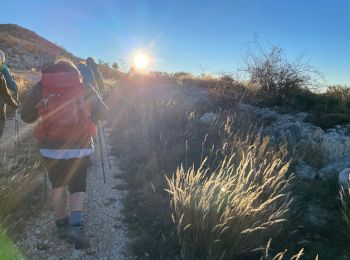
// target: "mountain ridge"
[[26, 49]]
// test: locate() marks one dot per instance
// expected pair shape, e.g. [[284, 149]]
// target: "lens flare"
[[141, 61]]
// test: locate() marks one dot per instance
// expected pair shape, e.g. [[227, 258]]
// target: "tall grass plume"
[[231, 210]]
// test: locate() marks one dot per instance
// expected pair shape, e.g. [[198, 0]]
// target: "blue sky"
[[193, 35]]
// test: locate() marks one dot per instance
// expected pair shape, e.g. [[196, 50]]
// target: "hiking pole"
[[101, 152], [16, 133], [17, 126], [45, 179], [106, 145]]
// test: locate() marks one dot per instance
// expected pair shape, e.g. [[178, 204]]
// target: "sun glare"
[[141, 61]]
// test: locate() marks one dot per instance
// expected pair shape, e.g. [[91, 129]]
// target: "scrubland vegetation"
[[202, 191], [229, 189], [21, 188], [232, 193]]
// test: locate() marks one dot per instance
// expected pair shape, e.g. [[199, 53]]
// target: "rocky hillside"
[[26, 50]]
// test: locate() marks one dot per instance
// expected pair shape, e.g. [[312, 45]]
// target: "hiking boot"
[[62, 227], [76, 236]]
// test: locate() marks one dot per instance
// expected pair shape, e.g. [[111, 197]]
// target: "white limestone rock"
[[207, 118], [343, 178]]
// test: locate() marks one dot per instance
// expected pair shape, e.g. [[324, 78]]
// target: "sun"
[[141, 61]]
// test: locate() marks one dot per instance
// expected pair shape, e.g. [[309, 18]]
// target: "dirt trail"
[[103, 219]]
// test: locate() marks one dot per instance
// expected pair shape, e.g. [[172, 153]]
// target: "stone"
[[332, 170], [305, 171], [343, 178], [76, 254], [335, 146], [316, 215], [207, 118], [295, 130], [245, 107], [347, 130], [290, 130], [53, 257], [301, 116], [325, 149], [43, 246]]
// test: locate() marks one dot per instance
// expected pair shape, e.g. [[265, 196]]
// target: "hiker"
[[87, 74], [100, 83], [6, 83], [69, 112]]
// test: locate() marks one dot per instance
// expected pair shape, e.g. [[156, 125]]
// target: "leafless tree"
[[275, 74]]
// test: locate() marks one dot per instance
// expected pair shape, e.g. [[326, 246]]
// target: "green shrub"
[[338, 99], [7, 249]]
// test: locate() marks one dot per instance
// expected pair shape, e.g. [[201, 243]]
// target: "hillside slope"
[[26, 50]]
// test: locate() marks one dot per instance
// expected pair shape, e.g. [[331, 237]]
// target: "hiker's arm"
[[5, 95], [99, 110], [29, 112], [11, 84]]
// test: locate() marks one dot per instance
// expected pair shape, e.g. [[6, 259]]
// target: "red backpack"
[[63, 113]]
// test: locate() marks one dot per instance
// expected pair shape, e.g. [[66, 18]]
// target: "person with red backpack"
[[67, 112]]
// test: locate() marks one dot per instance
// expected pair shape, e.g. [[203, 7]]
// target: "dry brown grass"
[[17, 180], [19, 169], [232, 210], [20, 185], [151, 138], [19, 193], [344, 196], [267, 255]]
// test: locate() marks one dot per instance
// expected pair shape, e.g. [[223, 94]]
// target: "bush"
[[338, 99], [230, 211], [7, 249], [275, 74]]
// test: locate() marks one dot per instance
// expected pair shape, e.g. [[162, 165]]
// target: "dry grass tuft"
[[19, 184], [17, 180], [281, 255], [225, 213], [344, 196]]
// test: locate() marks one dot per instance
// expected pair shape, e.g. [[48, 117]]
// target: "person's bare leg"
[[76, 233], [59, 199], [77, 201]]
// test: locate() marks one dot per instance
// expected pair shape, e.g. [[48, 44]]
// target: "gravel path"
[[104, 226]]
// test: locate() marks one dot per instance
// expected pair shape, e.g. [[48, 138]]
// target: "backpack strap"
[[45, 100]]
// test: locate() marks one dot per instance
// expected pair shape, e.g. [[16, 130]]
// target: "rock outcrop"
[[321, 153]]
